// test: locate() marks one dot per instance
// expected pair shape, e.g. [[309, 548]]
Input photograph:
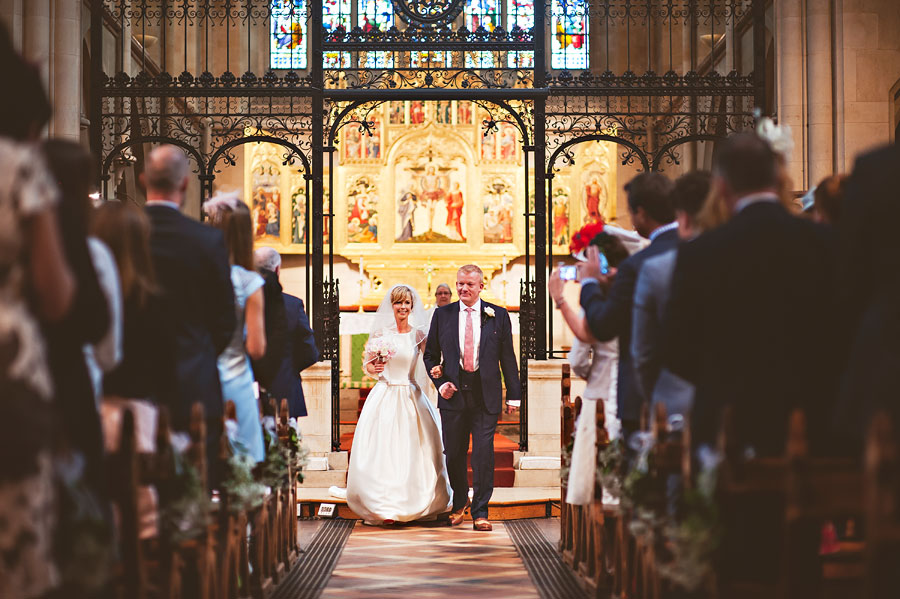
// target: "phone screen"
[[604, 264], [568, 272]]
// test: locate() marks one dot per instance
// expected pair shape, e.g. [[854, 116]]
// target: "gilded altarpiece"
[[425, 190]]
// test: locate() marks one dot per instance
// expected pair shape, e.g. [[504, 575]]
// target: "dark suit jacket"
[[301, 354], [869, 284], [495, 353], [748, 323], [192, 268], [609, 316]]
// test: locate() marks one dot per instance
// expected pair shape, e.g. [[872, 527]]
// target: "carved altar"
[[425, 190]]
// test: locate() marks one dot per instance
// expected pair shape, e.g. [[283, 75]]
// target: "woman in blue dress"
[[229, 214]]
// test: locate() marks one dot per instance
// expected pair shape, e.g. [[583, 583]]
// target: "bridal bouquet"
[[381, 349]]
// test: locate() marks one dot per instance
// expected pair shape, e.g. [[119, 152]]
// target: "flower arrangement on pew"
[[185, 510], [243, 490], [297, 453], [692, 540]]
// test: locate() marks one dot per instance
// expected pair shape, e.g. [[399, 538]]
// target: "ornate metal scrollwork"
[[431, 13]]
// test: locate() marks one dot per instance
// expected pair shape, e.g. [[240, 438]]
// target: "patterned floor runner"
[[311, 572], [422, 561], [547, 570]]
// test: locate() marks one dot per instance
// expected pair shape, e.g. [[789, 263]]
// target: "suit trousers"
[[457, 426]]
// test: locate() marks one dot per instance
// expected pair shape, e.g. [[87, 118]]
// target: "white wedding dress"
[[397, 468]]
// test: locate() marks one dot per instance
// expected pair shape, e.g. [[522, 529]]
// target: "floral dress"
[[27, 500]]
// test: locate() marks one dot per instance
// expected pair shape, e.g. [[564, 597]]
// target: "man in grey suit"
[[653, 382]]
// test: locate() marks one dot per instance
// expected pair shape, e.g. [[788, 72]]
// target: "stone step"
[[324, 479], [537, 478], [506, 503]]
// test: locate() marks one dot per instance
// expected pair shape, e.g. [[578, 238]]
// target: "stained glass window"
[[335, 14], [521, 13], [482, 13], [288, 41], [375, 14], [569, 35]]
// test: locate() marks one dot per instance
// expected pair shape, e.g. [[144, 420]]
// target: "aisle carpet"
[[310, 573], [549, 574], [424, 561]]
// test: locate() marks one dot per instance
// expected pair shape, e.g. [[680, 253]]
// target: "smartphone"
[[568, 272], [604, 264]]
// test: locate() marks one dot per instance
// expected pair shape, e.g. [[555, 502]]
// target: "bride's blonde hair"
[[400, 293]]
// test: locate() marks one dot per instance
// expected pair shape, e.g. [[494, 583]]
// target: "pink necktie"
[[469, 347]]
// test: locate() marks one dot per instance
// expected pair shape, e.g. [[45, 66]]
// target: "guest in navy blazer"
[[301, 351]]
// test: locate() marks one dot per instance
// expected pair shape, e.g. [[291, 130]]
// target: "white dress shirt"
[[476, 330]]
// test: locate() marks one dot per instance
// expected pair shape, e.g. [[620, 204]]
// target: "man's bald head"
[[166, 173]]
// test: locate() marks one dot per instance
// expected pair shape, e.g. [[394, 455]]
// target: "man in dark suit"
[[607, 300], [654, 383], [749, 311], [300, 352], [869, 291], [192, 268], [472, 342]]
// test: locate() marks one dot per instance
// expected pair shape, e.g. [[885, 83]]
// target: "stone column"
[[789, 46], [820, 90], [38, 33], [316, 427], [11, 13], [67, 69], [544, 394]]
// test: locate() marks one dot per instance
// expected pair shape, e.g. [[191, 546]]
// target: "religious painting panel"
[[444, 109], [397, 112], [593, 181], [416, 112], [362, 210], [298, 214], [560, 207], [499, 204], [464, 112], [430, 199], [359, 145], [265, 197]]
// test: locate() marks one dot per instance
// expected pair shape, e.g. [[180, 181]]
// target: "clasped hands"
[[447, 389]]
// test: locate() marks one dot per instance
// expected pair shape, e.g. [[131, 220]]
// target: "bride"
[[397, 469]]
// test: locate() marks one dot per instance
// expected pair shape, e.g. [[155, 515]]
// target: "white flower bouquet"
[[381, 349]]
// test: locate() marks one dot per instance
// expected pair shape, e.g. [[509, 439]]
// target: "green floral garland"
[[185, 510]]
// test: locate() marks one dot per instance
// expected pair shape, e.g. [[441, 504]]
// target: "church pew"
[[567, 426], [231, 530], [289, 535], [882, 505]]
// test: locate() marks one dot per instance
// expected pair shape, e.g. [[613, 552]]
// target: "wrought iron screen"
[[661, 79]]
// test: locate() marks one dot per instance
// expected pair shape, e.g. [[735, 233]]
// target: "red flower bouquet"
[[582, 238]]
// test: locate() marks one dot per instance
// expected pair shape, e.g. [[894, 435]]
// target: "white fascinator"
[[778, 136]]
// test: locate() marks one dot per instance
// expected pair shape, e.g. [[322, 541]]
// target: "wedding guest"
[[442, 295], [869, 291], [654, 383], [104, 355], [608, 300], [37, 287], [301, 351], [744, 321], [828, 198], [146, 375], [596, 362], [230, 215], [266, 367], [191, 266], [89, 319], [145, 378]]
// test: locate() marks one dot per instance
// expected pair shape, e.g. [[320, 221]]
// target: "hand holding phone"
[[568, 272]]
